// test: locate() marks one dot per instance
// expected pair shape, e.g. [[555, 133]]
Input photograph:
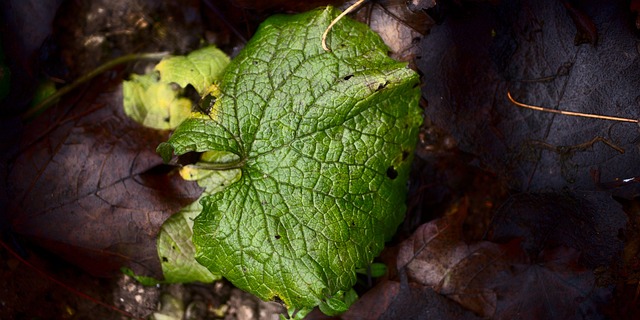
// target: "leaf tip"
[[165, 150]]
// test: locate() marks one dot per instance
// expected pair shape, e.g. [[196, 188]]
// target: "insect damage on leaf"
[[321, 139]]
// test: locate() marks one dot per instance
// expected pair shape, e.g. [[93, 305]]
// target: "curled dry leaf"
[[88, 186], [587, 221], [400, 300], [401, 24], [499, 281]]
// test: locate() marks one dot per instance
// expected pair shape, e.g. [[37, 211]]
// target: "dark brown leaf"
[[284, 5], [588, 221], [400, 24], [635, 9], [88, 185], [472, 60], [395, 300], [586, 31], [499, 281]]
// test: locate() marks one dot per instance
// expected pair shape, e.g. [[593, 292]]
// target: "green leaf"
[[339, 303], [324, 141], [374, 270], [147, 281], [175, 248], [200, 68]]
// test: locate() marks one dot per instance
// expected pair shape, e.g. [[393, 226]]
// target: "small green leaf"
[[200, 68], [339, 303], [144, 280], [375, 270], [176, 251], [333, 306], [324, 143], [45, 89]]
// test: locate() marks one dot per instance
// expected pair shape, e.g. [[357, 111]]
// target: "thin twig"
[[46, 103], [326, 32], [569, 113]]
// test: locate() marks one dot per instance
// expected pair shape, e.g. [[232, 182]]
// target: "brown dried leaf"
[[401, 24], [88, 185], [498, 280], [284, 5], [395, 300]]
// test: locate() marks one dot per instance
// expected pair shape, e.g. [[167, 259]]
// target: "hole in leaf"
[[277, 236], [382, 86], [191, 93], [405, 155], [348, 77], [164, 259], [392, 173]]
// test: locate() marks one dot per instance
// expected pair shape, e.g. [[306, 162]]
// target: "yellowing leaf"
[[153, 100], [200, 68], [154, 104]]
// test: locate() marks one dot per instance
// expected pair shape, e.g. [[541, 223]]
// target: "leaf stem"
[[346, 12], [46, 103], [569, 113], [235, 164]]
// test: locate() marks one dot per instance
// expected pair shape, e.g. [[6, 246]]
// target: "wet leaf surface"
[[87, 186]]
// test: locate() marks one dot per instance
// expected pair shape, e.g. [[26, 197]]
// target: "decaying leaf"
[[396, 300], [88, 186], [152, 100], [499, 281], [590, 222], [528, 48], [401, 24]]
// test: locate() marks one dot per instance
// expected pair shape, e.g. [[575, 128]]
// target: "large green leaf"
[[324, 142]]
